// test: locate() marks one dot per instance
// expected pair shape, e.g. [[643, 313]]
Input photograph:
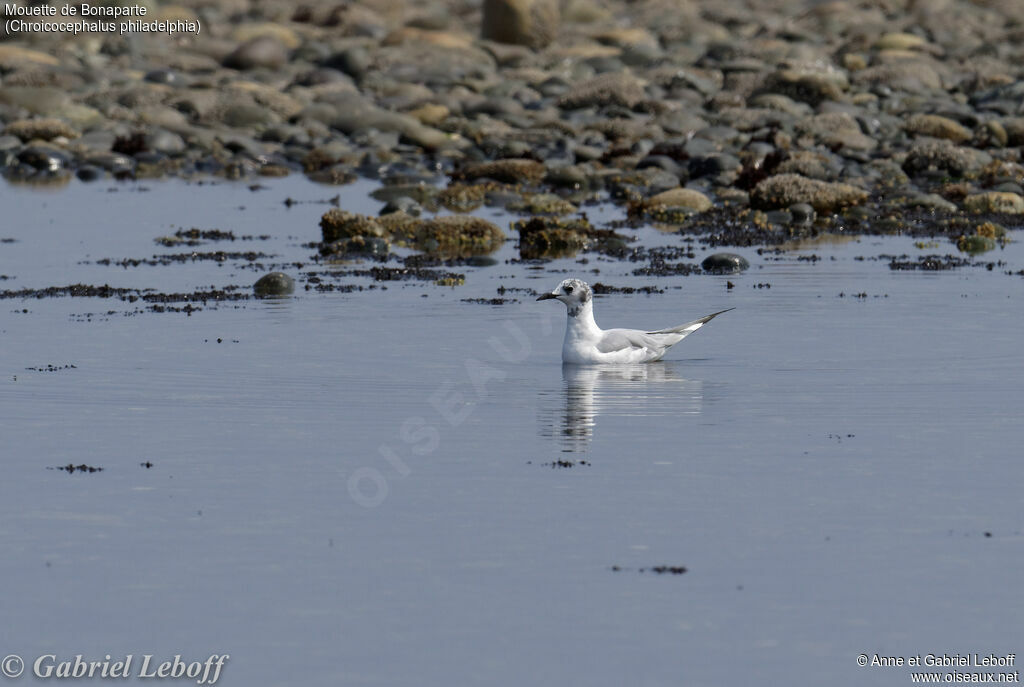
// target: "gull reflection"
[[591, 391]]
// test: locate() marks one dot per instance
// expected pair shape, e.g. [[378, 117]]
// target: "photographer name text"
[[940, 660], [204, 672]]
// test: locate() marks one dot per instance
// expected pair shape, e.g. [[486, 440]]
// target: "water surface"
[[370, 488]]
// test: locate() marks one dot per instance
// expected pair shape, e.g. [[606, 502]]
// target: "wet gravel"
[[730, 124], [772, 106]]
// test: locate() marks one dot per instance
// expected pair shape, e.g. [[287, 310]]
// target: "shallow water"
[[364, 488]]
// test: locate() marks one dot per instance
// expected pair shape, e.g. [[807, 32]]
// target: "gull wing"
[[690, 327], [635, 346], [615, 340]]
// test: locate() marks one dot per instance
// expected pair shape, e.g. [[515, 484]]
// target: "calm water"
[[357, 489]]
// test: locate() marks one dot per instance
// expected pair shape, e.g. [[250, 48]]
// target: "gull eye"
[[568, 289]]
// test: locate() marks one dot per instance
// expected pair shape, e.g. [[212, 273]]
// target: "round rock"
[[358, 245], [724, 263], [43, 159], [274, 284], [995, 201], [167, 142], [786, 190], [533, 23], [802, 213], [90, 173], [680, 197], [262, 51], [402, 204], [164, 76]]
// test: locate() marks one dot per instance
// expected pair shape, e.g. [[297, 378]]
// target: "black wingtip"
[[715, 314]]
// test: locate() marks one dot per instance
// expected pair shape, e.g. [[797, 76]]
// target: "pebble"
[[714, 164], [46, 129], [43, 159], [995, 201], [1014, 127], [802, 213], [164, 76], [975, 245], [510, 171], [785, 190], [937, 127], [619, 88], [459, 235], [372, 246], [724, 263], [836, 130], [260, 52], [166, 142], [680, 197], [245, 115], [402, 204], [353, 113], [533, 23], [8, 142], [809, 88], [274, 284], [675, 109], [944, 156], [338, 224], [899, 41], [931, 201], [89, 173]]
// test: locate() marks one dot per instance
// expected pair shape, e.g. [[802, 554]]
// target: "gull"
[[587, 344]]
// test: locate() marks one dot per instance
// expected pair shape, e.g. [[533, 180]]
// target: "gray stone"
[[942, 155], [111, 161], [402, 204], [274, 284], [262, 51], [931, 201], [809, 88], [802, 213], [245, 115], [785, 190], [353, 113], [353, 61], [166, 142], [164, 76], [533, 23], [90, 173], [613, 88], [724, 263], [714, 164], [43, 158], [358, 245], [8, 142]]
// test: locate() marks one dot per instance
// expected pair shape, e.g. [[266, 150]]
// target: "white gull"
[[587, 344]]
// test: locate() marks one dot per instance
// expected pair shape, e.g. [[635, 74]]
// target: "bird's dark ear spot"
[[586, 295]]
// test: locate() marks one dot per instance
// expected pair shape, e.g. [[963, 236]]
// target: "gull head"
[[573, 292]]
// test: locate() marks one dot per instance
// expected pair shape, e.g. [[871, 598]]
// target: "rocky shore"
[[755, 122]]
